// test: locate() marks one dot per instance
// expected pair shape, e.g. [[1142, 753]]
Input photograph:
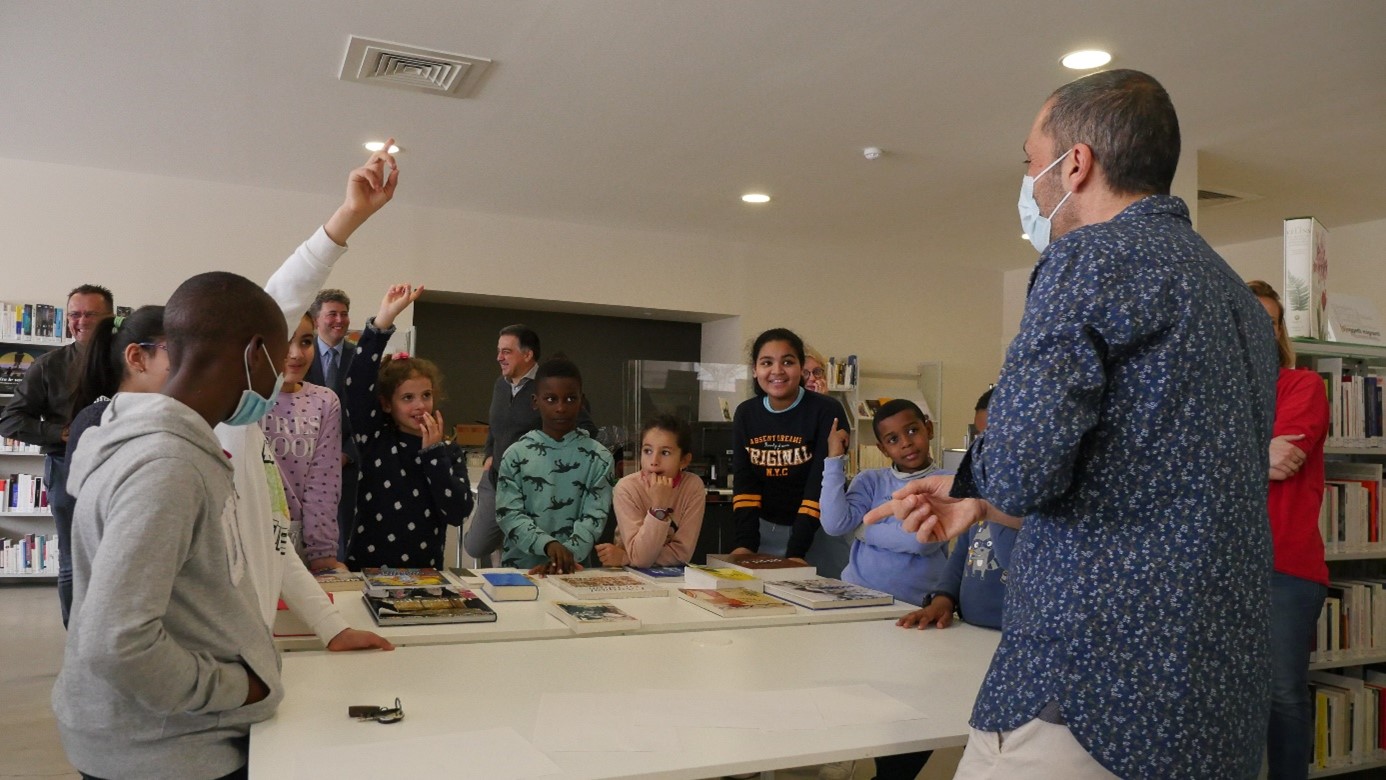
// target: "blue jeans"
[[61, 505], [1295, 607]]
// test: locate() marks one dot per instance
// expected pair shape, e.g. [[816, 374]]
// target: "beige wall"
[[141, 235], [1356, 260]]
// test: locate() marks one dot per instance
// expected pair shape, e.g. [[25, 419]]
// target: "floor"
[[31, 644]]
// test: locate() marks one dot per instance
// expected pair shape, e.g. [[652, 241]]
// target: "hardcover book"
[[509, 586], [771, 568], [606, 583], [736, 603], [713, 578], [1306, 278], [827, 593], [667, 575], [334, 581], [593, 617], [388, 581], [450, 605]]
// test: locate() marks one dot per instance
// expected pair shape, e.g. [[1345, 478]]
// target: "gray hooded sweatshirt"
[[164, 619]]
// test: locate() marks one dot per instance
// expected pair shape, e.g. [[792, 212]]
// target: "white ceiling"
[[658, 115]]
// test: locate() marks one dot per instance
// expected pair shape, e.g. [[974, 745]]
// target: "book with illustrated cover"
[[714, 578], [771, 568], [509, 586], [450, 604], [388, 581], [593, 617], [1305, 294], [736, 603], [668, 575], [337, 581], [606, 583], [827, 593]]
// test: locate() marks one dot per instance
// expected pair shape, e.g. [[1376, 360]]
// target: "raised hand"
[[837, 440], [368, 189], [398, 298]]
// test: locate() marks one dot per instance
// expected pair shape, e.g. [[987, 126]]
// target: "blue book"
[[672, 575], [509, 586]]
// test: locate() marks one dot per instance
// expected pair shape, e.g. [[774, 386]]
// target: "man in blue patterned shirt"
[[1130, 431]]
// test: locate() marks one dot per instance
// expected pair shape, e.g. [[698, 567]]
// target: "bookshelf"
[[924, 386], [1355, 437], [17, 352]]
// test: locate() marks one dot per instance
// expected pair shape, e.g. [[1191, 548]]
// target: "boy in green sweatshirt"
[[553, 497]]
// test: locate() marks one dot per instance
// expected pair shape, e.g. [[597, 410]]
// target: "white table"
[[451, 688], [516, 620]]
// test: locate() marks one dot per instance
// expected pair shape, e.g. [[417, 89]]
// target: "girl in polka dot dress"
[[413, 484], [305, 431]]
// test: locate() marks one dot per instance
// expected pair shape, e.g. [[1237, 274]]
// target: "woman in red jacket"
[[1300, 581]]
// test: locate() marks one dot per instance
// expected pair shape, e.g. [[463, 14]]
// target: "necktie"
[[333, 366]]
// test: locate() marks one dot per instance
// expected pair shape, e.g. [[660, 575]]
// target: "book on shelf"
[[10, 446], [1351, 513], [337, 581], [827, 593], [771, 568], [32, 321], [390, 581], [29, 554], [1306, 277], [665, 575], [606, 583], [842, 372], [23, 493], [509, 586], [288, 623], [450, 604], [593, 617], [716, 578], [738, 602]]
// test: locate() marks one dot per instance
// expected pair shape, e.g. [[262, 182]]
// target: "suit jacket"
[[315, 376]]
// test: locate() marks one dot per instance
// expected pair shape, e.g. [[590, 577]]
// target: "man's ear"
[[1080, 169]]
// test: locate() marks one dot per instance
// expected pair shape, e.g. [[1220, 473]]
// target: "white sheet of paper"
[[492, 754], [598, 722], [850, 705]]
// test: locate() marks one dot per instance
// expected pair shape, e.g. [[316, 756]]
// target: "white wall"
[[141, 235]]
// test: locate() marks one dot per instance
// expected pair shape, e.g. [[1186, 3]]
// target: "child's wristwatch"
[[662, 513]]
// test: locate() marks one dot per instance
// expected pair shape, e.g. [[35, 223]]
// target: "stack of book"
[[23, 493], [16, 447], [606, 583], [404, 597], [1348, 716], [31, 322], [1352, 624], [1356, 403], [1352, 513]]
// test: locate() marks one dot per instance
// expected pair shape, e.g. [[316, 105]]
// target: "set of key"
[[393, 714]]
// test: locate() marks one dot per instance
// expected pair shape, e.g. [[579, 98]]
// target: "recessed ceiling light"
[[375, 146], [756, 197], [1086, 59]]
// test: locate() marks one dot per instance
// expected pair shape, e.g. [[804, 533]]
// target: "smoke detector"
[[395, 65]]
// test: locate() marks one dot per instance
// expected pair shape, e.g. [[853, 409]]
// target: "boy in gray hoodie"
[[168, 660]]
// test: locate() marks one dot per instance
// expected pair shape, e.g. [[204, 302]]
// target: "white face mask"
[[1036, 226]]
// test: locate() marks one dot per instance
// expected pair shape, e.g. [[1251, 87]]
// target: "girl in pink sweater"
[[659, 509], [305, 431]]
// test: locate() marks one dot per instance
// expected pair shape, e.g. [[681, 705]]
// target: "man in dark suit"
[[331, 315]]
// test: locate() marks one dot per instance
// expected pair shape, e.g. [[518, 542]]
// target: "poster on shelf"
[[1354, 320]]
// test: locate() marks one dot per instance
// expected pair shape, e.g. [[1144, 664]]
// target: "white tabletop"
[[530, 620], [448, 689]]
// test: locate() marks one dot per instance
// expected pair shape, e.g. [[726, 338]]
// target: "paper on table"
[[850, 705], [492, 754], [598, 722]]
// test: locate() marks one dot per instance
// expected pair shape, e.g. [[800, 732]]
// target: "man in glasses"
[[39, 413]]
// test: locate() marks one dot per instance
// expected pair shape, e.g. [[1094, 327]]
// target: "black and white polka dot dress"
[[406, 497]]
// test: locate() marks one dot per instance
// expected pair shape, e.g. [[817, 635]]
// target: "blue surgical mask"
[[254, 406], [1034, 225]]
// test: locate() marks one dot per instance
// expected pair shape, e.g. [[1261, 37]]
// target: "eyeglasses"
[[86, 315], [153, 345], [817, 373]]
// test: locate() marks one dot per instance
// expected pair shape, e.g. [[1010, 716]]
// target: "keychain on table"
[[393, 714]]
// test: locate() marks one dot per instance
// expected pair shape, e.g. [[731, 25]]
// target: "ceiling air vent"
[[1210, 198], [409, 67]]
